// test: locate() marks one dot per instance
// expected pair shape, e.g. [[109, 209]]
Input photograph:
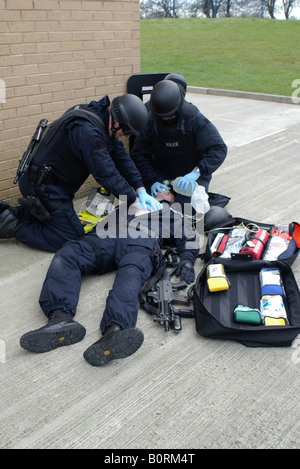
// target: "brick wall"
[[54, 54]]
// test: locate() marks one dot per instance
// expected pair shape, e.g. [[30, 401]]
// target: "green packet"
[[244, 314]]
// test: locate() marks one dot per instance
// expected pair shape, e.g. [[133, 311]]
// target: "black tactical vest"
[[174, 147], [68, 170]]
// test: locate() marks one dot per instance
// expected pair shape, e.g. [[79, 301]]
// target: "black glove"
[[186, 271]]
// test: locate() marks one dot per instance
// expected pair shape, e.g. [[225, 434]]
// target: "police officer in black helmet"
[[179, 80], [178, 141], [83, 142]]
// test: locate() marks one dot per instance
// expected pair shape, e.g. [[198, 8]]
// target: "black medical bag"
[[215, 310]]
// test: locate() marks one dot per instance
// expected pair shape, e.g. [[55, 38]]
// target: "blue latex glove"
[[158, 187], [188, 179], [147, 201]]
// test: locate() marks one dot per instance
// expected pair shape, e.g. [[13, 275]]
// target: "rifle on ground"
[[24, 163], [157, 298]]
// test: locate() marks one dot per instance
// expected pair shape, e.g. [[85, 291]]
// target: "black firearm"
[[159, 298], [27, 155]]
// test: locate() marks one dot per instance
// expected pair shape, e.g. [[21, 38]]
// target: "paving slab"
[[178, 391]]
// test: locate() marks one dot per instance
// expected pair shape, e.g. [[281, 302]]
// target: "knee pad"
[[214, 216]]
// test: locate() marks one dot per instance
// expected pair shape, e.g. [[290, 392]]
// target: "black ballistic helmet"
[[179, 80], [214, 216], [165, 99], [130, 113]]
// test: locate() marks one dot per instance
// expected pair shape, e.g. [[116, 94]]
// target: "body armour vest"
[[68, 171], [173, 146]]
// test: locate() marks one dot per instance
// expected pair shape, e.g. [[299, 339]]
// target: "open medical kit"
[[243, 239], [247, 291]]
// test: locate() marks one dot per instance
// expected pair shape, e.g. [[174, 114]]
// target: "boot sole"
[[119, 345], [45, 341]]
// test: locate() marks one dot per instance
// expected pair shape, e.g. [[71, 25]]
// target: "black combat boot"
[[115, 343], [59, 331], [3, 206], [8, 223]]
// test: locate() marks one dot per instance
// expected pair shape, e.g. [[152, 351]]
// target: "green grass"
[[246, 54]]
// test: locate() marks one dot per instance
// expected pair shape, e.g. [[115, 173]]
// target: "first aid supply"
[[272, 306], [270, 282], [216, 278], [279, 242], [255, 244], [199, 200], [244, 314], [234, 242]]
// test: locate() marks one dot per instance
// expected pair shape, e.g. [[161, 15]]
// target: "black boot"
[[59, 331], [115, 343], [3, 206], [8, 223]]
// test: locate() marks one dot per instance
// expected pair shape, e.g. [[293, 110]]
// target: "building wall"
[[55, 54]]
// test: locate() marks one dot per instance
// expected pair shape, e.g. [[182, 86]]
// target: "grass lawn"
[[248, 54]]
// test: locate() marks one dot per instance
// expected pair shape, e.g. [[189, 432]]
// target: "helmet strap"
[[113, 127]]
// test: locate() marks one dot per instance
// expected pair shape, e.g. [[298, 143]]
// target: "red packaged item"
[[221, 247], [255, 245], [295, 229]]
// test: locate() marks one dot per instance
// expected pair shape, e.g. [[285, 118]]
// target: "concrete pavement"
[[178, 391]]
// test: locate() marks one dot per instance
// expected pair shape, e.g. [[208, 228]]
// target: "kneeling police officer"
[[179, 141], [83, 142]]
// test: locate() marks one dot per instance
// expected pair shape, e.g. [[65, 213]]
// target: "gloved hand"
[[188, 179], [147, 201], [186, 271], [158, 187]]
